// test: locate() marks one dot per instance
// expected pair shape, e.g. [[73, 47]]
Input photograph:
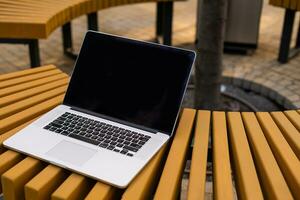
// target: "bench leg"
[[92, 19], [286, 35], [34, 53], [164, 17], [67, 40], [159, 19], [167, 22], [298, 38]]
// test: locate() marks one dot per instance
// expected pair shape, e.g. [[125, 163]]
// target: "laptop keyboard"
[[104, 135]]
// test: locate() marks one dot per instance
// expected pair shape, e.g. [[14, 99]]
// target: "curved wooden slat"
[[14, 179], [197, 178], [44, 183], [291, 134], [74, 187], [30, 113], [143, 185], [222, 184], [168, 187], [272, 180], [17, 88], [286, 159], [247, 183], [26, 72], [26, 103], [7, 160], [24, 79], [294, 117], [101, 191]]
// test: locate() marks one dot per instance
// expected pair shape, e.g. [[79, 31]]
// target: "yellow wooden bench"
[[256, 154], [26, 21], [291, 7]]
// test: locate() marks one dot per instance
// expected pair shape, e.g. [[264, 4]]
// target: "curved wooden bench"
[[26, 21], [255, 154], [291, 7]]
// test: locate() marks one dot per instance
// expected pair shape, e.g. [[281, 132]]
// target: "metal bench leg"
[[159, 19], [92, 19], [67, 41], [34, 53], [298, 38], [286, 35], [167, 22]]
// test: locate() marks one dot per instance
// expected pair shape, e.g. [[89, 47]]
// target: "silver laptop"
[[120, 107]]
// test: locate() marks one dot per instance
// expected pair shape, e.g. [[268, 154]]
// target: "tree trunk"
[[208, 70]]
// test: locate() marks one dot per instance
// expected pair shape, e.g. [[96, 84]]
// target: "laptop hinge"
[[114, 119]]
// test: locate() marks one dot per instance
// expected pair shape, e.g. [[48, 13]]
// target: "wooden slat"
[[272, 180], [293, 4], [31, 84], [30, 113], [221, 168], [286, 159], [74, 187], [168, 187], [286, 3], [7, 160], [13, 180], [294, 117], [142, 186], [101, 191], [26, 103], [197, 179], [24, 79], [44, 183], [26, 72], [275, 2], [247, 182], [291, 134], [31, 92]]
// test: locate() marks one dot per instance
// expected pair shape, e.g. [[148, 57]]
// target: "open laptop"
[[120, 107]]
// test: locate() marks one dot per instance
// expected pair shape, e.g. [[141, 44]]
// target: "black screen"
[[133, 81]]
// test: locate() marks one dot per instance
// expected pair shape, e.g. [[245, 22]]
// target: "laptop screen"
[[132, 81]]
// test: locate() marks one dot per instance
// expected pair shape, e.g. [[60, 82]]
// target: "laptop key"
[[123, 151], [47, 127], [103, 145], [129, 154], [65, 133], [79, 137], [110, 147], [116, 150], [120, 145], [130, 148]]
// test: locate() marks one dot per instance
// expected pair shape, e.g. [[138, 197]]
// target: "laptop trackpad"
[[70, 152]]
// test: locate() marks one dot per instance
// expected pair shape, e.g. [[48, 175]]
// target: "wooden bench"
[[26, 21], [256, 154], [291, 7]]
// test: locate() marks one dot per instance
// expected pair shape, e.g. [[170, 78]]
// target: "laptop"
[[120, 108]]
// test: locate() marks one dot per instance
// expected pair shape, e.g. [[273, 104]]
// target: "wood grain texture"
[[272, 180], [222, 184], [247, 182], [168, 187], [197, 181], [291, 134], [285, 157]]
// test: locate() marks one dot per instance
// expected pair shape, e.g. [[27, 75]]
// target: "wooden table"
[[260, 152]]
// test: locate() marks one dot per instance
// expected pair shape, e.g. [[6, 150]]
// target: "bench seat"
[[254, 155]]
